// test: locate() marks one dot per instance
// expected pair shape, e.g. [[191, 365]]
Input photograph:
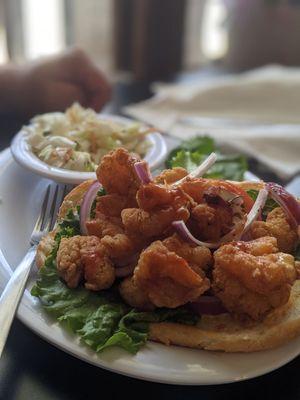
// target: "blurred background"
[[178, 42], [154, 39]]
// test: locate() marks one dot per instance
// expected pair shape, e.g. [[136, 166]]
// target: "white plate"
[[21, 193], [24, 156]]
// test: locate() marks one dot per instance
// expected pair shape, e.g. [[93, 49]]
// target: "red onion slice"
[[143, 172], [201, 170], [183, 231], [86, 205], [238, 219], [122, 272], [257, 208], [210, 305], [289, 204]]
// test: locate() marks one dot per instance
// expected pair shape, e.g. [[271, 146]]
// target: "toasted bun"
[[221, 332], [74, 198]]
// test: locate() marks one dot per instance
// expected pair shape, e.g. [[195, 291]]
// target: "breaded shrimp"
[[103, 225], [111, 205], [117, 174], [170, 175], [252, 278], [259, 247], [210, 223], [195, 188], [277, 226], [151, 224], [134, 296], [166, 278], [121, 247], [198, 257], [153, 196], [81, 257], [99, 272]]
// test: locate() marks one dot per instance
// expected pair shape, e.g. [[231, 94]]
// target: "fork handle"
[[12, 294]]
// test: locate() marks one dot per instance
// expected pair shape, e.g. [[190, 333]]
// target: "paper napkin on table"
[[257, 112]]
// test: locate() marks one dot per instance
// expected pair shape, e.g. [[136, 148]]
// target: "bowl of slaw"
[[67, 147]]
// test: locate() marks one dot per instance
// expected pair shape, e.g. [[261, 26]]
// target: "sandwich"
[[176, 258]]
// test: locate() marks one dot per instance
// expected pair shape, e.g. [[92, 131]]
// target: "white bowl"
[[23, 155]]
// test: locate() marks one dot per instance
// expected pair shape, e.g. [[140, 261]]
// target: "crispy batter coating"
[[259, 247], [171, 175], [210, 223], [166, 278], [152, 196], [151, 224], [111, 205], [103, 225], [99, 272], [252, 278], [121, 247], [195, 188], [117, 175], [134, 296], [199, 258], [81, 257], [277, 226]]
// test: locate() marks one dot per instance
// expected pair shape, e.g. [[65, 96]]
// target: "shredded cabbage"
[[79, 138]]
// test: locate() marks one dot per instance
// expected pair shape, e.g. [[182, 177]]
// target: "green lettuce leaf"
[[269, 206], [100, 319], [70, 225], [101, 325], [200, 144], [193, 152]]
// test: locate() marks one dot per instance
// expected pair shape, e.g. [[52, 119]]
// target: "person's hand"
[[54, 83]]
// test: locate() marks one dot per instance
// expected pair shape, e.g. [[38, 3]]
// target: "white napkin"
[[257, 112]]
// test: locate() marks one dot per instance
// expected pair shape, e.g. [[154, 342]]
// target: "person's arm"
[[52, 84]]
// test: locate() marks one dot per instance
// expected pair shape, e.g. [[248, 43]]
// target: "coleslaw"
[[79, 138]]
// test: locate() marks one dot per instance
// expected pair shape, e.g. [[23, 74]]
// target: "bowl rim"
[[23, 155]]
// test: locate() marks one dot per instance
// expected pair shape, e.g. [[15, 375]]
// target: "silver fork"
[[14, 289]]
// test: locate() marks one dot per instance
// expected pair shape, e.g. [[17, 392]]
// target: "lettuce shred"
[[193, 152]]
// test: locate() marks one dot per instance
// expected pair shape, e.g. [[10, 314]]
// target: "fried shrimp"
[[121, 247], [151, 224], [81, 257], [199, 258], [252, 278], [166, 278], [210, 223], [153, 196], [111, 205], [103, 225], [99, 272], [171, 175], [277, 226], [117, 174], [134, 296], [195, 188]]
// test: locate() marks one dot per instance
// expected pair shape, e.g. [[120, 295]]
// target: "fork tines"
[[53, 198]]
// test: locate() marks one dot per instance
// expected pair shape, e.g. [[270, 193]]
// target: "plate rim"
[[24, 313], [152, 377]]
